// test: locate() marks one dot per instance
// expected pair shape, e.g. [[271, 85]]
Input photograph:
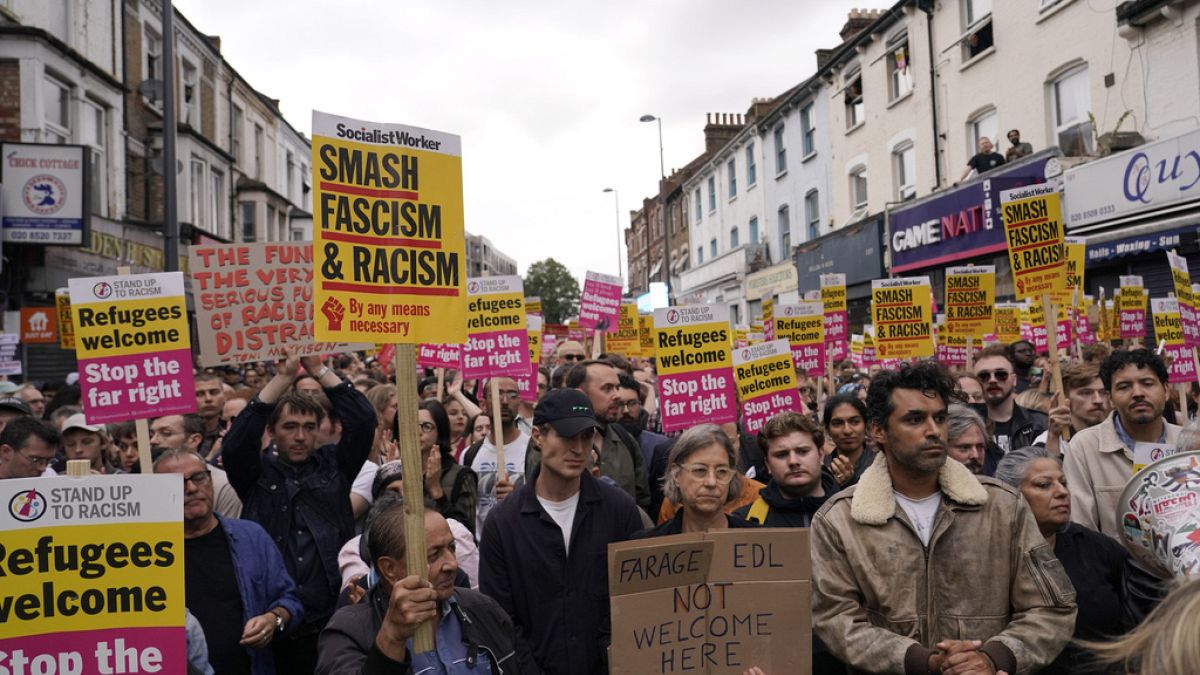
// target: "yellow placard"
[[131, 327], [626, 340], [533, 305], [1076, 251], [692, 347], [1034, 231], [646, 335], [800, 326], [1008, 323], [833, 293], [66, 327], [765, 376], [901, 310], [970, 299], [389, 253]]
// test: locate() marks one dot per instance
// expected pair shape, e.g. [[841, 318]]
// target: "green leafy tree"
[[552, 282]]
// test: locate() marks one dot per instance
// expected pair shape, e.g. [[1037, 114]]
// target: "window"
[[983, 125], [712, 194], [1072, 103], [199, 200], [249, 224], [853, 95], [216, 207], [93, 132], [904, 164], [898, 65], [731, 168], [785, 232], [733, 237], [699, 211], [858, 187], [699, 255], [258, 151], [1044, 5], [191, 95], [754, 230], [291, 170], [712, 248], [153, 55], [807, 131], [57, 111], [236, 134], [977, 19], [751, 167], [780, 152], [812, 214]]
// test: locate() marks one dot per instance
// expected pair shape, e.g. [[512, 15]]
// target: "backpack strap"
[[758, 511], [469, 455]]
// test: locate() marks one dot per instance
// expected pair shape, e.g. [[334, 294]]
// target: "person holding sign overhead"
[[301, 495]]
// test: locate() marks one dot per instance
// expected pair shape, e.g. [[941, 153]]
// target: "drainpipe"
[[927, 6]]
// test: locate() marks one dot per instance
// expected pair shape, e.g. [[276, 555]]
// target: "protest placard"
[[10, 364], [600, 303], [253, 300], [717, 603], [870, 353], [93, 575], [1033, 325], [439, 356], [66, 327], [533, 305], [527, 383], [856, 350], [1168, 329], [133, 347], [646, 334], [1182, 282], [902, 313], [1075, 249], [768, 317], [970, 298], [951, 350], [626, 340], [1033, 229], [1063, 331], [39, 325], [694, 347], [497, 330], [1083, 325], [766, 382], [833, 300], [1132, 301], [803, 326], [389, 251], [1008, 322]]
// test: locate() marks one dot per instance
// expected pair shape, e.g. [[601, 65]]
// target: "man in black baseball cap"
[[560, 513]]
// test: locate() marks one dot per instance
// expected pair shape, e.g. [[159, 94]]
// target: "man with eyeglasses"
[[186, 432], [235, 583], [654, 446], [26, 448], [1014, 426], [544, 551], [481, 456], [569, 352]]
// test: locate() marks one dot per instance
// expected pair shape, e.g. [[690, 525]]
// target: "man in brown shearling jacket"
[[925, 568]]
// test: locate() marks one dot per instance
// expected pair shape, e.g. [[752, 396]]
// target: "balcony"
[[729, 265]]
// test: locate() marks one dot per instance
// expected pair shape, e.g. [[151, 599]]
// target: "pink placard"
[[1083, 328], [120, 388], [527, 384], [1133, 324], [601, 302], [439, 356], [109, 650], [835, 336], [1063, 334], [1183, 365], [810, 358], [704, 397]]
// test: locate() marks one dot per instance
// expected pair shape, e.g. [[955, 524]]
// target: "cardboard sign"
[[694, 347], [600, 304], [833, 299], [66, 327], [389, 255], [439, 356], [253, 300], [101, 586], [497, 330], [626, 340], [646, 334], [902, 313], [135, 357], [39, 325], [1132, 306], [1168, 329], [1034, 232], [803, 326], [1008, 322], [766, 382], [1182, 282], [970, 297], [720, 602], [44, 193]]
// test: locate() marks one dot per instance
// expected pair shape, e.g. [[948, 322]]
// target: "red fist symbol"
[[334, 311]]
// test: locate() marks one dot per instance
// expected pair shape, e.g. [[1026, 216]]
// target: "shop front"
[[855, 250], [778, 281]]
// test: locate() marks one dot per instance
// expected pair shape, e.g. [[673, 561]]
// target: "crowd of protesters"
[[962, 521]]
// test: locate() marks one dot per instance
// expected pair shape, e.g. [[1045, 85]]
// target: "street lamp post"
[[617, 213], [662, 205]]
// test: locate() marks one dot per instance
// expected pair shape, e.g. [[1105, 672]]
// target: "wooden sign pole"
[[1049, 312], [497, 428], [597, 343], [407, 400], [141, 426], [971, 353], [441, 383]]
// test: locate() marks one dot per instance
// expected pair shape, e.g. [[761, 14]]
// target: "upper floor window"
[[699, 255], [904, 165], [191, 95], [235, 134], [753, 230], [983, 125], [751, 167], [93, 132], [808, 131], [785, 231], [712, 193], [712, 248], [977, 21], [1072, 103], [854, 99], [780, 151], [699, 212], [57, 101], [153, 67], [812, 213], [733, 237], [259, 157], [899, 66], [199, 196], [858, 187], [731, 168]]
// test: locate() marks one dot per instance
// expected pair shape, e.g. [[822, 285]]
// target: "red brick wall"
[[10, 101]]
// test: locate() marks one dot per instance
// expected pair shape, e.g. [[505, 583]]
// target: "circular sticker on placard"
[[1159, 515]]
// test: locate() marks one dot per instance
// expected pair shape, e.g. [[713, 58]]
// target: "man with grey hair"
[[967, 437]]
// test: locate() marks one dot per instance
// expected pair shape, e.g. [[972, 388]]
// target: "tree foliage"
[[552, 282]]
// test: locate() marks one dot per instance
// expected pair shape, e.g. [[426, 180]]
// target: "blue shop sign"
[[1146, 243], [963, 222]]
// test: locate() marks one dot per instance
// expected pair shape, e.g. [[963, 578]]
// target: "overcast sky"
[[546, 95]]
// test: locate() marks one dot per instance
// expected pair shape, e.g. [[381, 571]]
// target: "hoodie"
[[786, 512]]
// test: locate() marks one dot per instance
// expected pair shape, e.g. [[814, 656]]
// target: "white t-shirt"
[[364, 481], [563, 513], [921, 512], [484, 466]]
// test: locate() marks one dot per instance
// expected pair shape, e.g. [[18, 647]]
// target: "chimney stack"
[[856, 21]]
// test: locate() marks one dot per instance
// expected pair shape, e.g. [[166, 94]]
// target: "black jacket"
[[347, 645], [1027, 425], [675, 526], [557, 598], [785, 512], [273, 491]]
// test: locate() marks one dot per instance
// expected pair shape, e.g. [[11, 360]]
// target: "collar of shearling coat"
[[873, 502]]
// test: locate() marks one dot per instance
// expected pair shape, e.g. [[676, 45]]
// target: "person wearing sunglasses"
[[27, 448], [1014, 426], [702, 477], [569, 353]]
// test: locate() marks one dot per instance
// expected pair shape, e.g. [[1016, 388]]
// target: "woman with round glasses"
[[701, 479]]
